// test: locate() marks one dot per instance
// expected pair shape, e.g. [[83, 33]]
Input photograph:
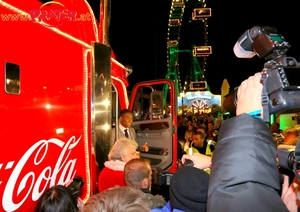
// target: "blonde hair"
[[291, 130], [120, 148], [118, 199]]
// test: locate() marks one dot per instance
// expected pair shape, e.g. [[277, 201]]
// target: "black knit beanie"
[[188, 189]]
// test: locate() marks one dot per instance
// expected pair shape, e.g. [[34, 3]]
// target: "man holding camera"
[[244, 173]]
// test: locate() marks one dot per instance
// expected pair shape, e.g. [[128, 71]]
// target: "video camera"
[[289, 159], [76, 185], [286, 157], [280, 75], [159, 177]]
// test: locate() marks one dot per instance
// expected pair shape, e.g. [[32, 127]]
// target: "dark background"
[[138, 36]]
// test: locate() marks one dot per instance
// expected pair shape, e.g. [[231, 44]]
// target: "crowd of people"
[[244, 172], [198, 133]]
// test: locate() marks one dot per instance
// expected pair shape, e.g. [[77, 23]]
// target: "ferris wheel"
[[200, 104], [187, 43]]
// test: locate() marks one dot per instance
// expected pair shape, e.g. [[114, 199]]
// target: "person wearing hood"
[[188, 190]]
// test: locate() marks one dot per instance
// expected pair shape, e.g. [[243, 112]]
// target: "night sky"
[[138, 36]]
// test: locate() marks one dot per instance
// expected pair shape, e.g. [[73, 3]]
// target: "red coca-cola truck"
[[61, 92]]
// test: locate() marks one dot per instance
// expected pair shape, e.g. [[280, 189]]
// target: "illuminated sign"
[[201, 51], [202, 85], [201, 13]]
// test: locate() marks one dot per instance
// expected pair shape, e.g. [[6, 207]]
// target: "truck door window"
[[12, 78], [157, 106]]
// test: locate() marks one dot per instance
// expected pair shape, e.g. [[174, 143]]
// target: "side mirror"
[[157, 104]]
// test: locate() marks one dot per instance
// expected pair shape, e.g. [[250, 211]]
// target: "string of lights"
[[200, 13]]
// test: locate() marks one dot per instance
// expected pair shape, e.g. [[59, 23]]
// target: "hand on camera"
[[80, 203], [289, 194], [200, 161], [249, 95]]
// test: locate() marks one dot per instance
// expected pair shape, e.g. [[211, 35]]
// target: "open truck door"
[[155, 122]]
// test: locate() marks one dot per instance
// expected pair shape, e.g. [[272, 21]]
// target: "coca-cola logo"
[[60, 173]]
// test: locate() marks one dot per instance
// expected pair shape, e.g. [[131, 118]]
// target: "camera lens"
[[188, 162]]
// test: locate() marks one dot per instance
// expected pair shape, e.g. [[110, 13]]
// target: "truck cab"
[[61, 88]]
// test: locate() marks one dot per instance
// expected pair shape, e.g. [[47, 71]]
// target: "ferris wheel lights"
[[201, 13], [202, 85], [174, 22], [178, 3], [202, 51]]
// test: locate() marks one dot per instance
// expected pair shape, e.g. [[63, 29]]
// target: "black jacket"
[[244, 175]]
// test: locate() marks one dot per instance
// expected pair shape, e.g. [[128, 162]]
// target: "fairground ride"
[[187, 51]]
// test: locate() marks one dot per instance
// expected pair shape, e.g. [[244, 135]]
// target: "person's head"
[[137, 173], [118, 199], [126, 118], [124, 149], [202, 129], [195, 124], [190, 127], [210, 125], [291, 135], [198, 139], [215, 110], [179, 124], [275, 127], [57, 198], [188, 189]]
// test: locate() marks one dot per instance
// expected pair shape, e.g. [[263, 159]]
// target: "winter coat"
[[166, 208], [111, 175], [154, 201], [244, 175]]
